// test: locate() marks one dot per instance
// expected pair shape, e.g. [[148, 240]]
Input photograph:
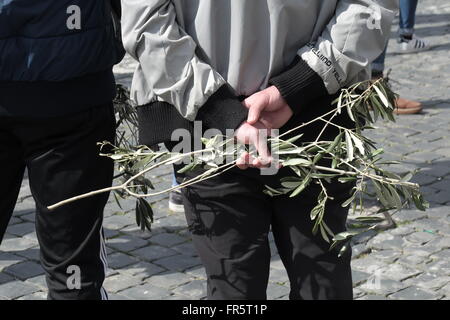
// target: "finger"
[[262, 148], [243, 161], [267, 119], [254, 112]]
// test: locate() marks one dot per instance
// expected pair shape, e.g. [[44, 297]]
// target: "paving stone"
[[385, 241], [153, 252], [167, 239], [367, 264], [379, 285], [38, 281], [146, 292], [117, 222], [402, 230], [173, 223], [440, 197], [439, 243], [120, 282], [276, 263], [423, 179], [24, 207], [357, 293], [275, 291], [387, 256], [278, 276], [432, 226], [440, 267], [197, 272], [126, 243], [143, 269], [21, 229], [372, 297], [446, 291], [120, 260], [438, 212], [441, 255], [117, 296], [8, 259], [169, 279], [125, 206], [429, 281], [425, 156], [421, 237], [185, 233], [412, 259], [40, 295], [398, 272], [359, 277], [273, 248], [16, 244], [15, 220], [178, 262], [359, 249], [29, 216], [31, 253], [109, 233], [135, 231], [24, 270], [179, 297], [186, 248], [414, 293], [409, 215], [31, 236], [364, 237], [443, 185], [438, 170], [195, 288], [5, 278], [16, 289]]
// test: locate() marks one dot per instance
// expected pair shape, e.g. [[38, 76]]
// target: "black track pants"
[[230, 217], [61, 156]]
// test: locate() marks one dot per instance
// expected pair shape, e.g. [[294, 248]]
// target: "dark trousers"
[[62, 159], [230, 217]]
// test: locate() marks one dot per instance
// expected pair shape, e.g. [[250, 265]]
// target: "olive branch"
[[353, 158]]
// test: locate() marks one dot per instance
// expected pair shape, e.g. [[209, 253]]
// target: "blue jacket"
[[56, 56]]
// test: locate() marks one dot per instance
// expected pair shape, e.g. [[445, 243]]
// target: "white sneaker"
[[413, 45], [176, 201]]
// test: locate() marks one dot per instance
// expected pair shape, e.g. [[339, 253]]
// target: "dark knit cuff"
[[222, 111], [299, 85], [157, 121]]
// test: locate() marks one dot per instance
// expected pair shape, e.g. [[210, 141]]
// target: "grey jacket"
[[188, 49]]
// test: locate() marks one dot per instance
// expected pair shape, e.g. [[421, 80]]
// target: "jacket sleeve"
[[173, 71], [354, 37]]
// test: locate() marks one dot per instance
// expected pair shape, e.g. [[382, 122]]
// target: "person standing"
[[407, 42], [251, 66], [56, 92]]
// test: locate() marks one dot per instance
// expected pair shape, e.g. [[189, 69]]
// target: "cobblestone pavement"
[[409, 262]]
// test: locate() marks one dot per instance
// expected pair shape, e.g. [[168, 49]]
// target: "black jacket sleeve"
[[299, 85]]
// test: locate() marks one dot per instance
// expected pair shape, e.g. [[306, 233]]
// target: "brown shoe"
[[405, 106]]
